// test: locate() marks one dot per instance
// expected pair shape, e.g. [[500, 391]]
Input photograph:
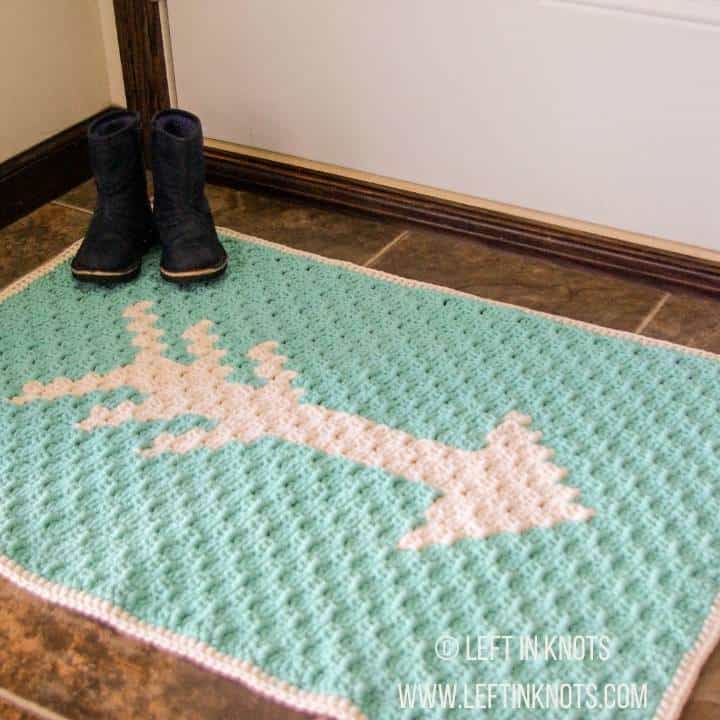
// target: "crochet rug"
[[355, 492]]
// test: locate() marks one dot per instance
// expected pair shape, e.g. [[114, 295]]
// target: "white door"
[[602, 110]]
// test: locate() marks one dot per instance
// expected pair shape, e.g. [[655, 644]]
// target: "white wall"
[[53, 69], [111, 50], [609, 115]]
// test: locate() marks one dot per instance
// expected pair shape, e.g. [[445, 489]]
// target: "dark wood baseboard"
[[44, 171], [238, 170]]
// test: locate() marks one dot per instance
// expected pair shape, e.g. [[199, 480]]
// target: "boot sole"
[[106, 276], [193, 275], [111, 277]]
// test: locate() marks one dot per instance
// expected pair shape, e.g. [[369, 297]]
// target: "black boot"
[[121, 228], [190, 246]]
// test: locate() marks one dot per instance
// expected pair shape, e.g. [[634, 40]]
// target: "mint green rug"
[[363, 496]]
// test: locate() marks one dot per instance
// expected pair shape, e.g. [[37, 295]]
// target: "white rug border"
[[671, 704]]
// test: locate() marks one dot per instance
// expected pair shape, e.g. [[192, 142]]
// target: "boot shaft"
[[191, 249], [121, 228], [178, 163], [115, 150]]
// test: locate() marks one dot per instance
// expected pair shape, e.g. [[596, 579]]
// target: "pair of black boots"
[[124, 226]]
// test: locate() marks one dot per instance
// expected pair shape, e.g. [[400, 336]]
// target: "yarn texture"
[[306, 475]]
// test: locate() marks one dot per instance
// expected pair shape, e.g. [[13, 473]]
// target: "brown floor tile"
[[700, 711], [299, 224], [689, 320], [476, 267], [82, 196], [12, 712], [83, 669], [713, 662], [707, 688], [37, 237]]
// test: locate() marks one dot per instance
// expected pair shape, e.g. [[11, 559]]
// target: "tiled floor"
[[55, 663], [11, 711]]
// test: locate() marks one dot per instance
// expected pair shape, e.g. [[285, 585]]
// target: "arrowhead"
[[509, 487]]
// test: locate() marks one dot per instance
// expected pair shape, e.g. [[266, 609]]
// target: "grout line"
[[655, 310], [29, 706], [70, 206], [385, 248]]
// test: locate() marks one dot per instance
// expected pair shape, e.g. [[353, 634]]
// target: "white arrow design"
[[507, 486]]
